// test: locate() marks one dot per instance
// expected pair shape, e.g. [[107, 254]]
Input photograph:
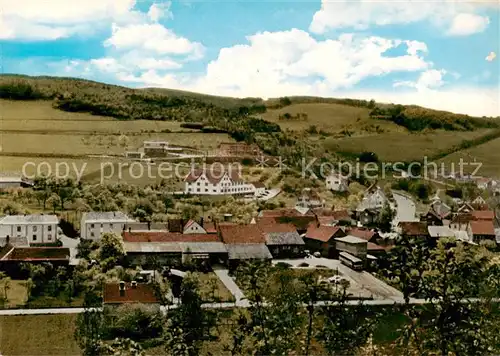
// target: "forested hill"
[[239, 117]]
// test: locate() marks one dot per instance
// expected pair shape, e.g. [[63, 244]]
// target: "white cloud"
[[54, 19], [468, 24], [361, 14], [153, 38], [159, 11], [491, 56], [429, 79]]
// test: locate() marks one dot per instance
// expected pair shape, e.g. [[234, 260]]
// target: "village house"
[[461, 222], [216, 182], [481, 230], [12, 258], [353, 245], [159, 148], [374, 199], [299, 217], [260, 188], [437, 232], [333, 217], [337, 183], [369, 235], [162, 247], [94, 224], [35, 228], [438, 213], [413, 229], [322, 239], [116, 294], [309, 200], [244, 242], [282, 240]]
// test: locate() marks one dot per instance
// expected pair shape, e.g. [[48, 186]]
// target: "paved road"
[[405, 210], [230, 284], [362, 284]]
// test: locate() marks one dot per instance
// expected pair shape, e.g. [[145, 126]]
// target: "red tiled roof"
[[214, 175], [322, 233], [484, 227], [38, 254], [142, 293], [414, 228], [159, 236], [189, 223], [241, 234], [362, 233], [210, 227], [483, 215], [271, 225]]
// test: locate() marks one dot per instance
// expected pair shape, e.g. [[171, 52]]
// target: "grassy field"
[[38, 335], [487, 154], [403, 146], [329, 117], [16, 294]]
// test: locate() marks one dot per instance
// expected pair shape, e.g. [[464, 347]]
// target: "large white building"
[[94, 224], [221, 182], [36, 228]]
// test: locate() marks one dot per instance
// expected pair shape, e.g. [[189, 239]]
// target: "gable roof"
[[241, 234], [210, 227], [440, 231], [462, 218], [351, 240], [105, 216], [483, 215], [29, 219], [248, 251], [322, 233], [142, 293], [484, 227]]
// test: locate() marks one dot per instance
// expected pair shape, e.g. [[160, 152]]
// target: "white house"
[[192, 227], [210, 182], [337, 183], [94, 224], [260, 188], [36, 228], [374, 199]]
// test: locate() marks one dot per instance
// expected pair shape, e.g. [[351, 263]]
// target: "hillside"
[[48, 117]]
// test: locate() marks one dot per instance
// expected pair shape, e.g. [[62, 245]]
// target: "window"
[[19, 229], [91, 234], [91, 226], [49, 237], [49, 228], [34, 237], [34, 228], [110, 226], [102, 226]]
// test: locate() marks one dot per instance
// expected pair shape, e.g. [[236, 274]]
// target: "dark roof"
[[284, 238], [323, 233], [285, 212], [38, 254], [374, 247], [414, 228], [142, 293], [241, 234], [258, 184], [484, 227], [462, 219], [161, 236], [248, 251], [175, 225]]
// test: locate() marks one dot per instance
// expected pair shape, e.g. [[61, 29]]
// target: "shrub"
[[304, 264], [283, 265]]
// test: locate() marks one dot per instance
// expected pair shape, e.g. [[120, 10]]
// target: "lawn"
[[212, 289], [328, 117], [16, 294], [38, 335], [403, 147]]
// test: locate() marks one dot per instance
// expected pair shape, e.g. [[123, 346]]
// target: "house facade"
[[94, 224], [337, 183], [210, 182], [35, 228], [322, 239]]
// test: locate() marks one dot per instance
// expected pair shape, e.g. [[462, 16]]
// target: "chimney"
[[149, 225], [122, 288], [134, 284], [201, 221], [129, 229]]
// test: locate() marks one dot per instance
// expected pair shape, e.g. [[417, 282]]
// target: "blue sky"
[[436, 54]]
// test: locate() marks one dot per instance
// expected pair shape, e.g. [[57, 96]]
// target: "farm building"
[[94, 224], [35, 228], [211, 181]]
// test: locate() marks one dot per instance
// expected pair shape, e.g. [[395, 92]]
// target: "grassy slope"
[[329, 117]]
